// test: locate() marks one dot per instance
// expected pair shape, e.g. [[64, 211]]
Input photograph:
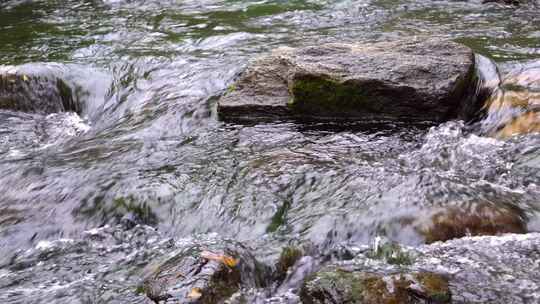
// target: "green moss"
[[357, 287], [279, 217], [231, 88], [392, 253], [221, 285], [335, 285], [375, 286], [350, 285], [288, 257], [320, 95], [8, 103], [140, 290], [435, 286], [514, 87]]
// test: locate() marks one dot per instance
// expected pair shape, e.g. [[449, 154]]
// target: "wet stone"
[[472, 219], [36, 94], [514, 108], [204, 272], [487, 269], [339, 285], [412, 80]]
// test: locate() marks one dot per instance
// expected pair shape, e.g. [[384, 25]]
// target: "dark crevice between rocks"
[[486, 80]]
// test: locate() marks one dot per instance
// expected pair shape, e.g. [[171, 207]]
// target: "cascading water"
[[87, 201]]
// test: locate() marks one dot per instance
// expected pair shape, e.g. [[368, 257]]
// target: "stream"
[[87, 201]]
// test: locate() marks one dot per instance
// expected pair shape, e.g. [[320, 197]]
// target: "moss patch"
[[435, 287], [231, 89], [325, 96], [288, 257], [392, 253], [279, 217], [335, 285]]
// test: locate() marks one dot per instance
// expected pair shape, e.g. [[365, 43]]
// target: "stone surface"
[[36, 94], [487, 269], [340, 285], [417, 80], [514, 107], [528, 122], [472, 219], [205, 272]]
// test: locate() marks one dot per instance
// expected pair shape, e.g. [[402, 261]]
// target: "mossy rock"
[[316, 95], [337, 285], [36, 94], [428, 79], [434, 287]]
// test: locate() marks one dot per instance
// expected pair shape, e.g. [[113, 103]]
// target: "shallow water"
[[148, 145]]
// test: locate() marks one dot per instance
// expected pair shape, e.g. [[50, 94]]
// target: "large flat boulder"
[[409, 80]]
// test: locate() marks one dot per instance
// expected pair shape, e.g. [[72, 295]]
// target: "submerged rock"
[[204, 272], [403, 80], [36, 94], [473, 219]]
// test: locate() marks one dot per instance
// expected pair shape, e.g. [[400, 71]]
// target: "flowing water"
[[148, 147]]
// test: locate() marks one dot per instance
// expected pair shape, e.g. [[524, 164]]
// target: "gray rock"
[[36, 94], [487, 269], [408, 80]]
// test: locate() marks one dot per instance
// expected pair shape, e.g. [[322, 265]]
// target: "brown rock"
[[473, 219]]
